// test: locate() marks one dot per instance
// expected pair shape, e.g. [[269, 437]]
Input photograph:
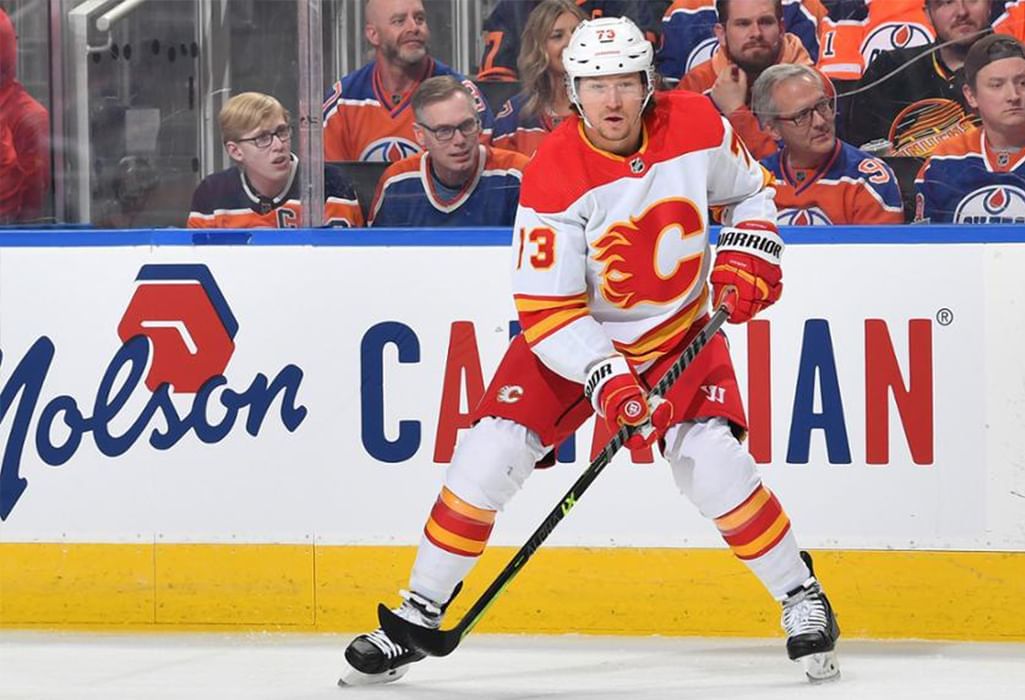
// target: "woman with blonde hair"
[[542, 103]]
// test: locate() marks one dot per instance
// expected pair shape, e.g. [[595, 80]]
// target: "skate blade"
[[352, 677], [821, 668]]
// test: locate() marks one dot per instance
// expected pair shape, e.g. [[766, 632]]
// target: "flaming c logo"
[[653, 258]]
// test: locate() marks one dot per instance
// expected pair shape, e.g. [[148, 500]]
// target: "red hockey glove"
[[747, 260], [620, 399]]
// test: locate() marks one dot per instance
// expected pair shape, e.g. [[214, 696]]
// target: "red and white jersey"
[[611, 253]]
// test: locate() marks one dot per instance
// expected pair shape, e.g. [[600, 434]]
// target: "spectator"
[[819, 178], [24, 140], [912, 97], [456, 181], [507, 23], [367, 114], [751, 38], [688, 33], [263, 190], [526, 118], [979, 177], [856, 31]]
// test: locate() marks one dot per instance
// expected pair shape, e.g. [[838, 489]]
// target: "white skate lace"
[[389, 648], [804, 612]]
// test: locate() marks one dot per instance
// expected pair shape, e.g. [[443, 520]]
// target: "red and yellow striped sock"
[[755, 526], [458, 527]]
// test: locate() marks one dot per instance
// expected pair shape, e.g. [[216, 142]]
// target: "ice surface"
[[64, 665]]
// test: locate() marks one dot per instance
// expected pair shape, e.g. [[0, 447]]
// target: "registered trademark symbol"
[[944, 317]]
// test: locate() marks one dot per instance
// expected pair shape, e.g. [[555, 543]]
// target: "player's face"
[[398, 30], [753, 35], [960, 21], [558, 39], [806, 119], [612, 105], [999, 94], [272, 162], [454, 158]]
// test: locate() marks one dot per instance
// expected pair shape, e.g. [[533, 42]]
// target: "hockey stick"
[[437, 642]]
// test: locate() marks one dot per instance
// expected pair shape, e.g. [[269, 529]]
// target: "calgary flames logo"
[[654, 258]]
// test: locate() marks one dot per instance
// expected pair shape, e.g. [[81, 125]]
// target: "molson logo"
[[178, 335], [995, 204]]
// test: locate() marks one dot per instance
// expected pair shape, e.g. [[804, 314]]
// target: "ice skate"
[[811, 629], [374, 658]]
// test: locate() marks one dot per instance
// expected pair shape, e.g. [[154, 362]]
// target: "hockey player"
[[262, 189], [635, 176], [820, 180], [979, 177], [366, 114], [456, 180]]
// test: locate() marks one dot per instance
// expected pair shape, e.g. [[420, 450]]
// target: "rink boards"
[[886, 395]]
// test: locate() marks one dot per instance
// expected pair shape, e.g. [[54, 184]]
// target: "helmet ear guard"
[[607, 46]]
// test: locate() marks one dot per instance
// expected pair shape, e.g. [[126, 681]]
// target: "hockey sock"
[[758, 532], [455, 536]]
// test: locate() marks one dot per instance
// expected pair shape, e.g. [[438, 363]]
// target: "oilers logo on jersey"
[[390, 149], [806, 216], [996, 204], [701, 53], [894, 35]]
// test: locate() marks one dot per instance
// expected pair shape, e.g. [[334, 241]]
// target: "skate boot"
[[374, 658], [811, 629]]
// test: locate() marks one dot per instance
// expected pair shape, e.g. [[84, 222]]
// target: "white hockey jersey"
[[611, 253]]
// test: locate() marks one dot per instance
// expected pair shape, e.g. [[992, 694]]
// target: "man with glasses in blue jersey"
[[819, 179], [456, 180]]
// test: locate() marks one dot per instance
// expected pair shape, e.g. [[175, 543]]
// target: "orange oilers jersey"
[[852, 187], [611, 253], [1011, 19], [226, 200], [359, 124], [856, 31]]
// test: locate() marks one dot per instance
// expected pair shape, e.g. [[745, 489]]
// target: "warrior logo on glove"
[[747, 260]]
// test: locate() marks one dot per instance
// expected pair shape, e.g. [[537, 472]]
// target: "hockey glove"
[[620, 400], [747, 260]]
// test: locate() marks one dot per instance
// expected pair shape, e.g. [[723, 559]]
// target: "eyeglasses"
[[265, 138], [446, 133], [825, 107]]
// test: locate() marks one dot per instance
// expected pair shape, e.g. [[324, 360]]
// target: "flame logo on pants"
[[654, 258]]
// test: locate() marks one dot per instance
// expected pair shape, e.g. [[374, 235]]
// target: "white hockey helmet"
[[607, 46]]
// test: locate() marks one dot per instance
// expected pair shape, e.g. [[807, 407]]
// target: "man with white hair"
[[820, 180], [611, 282]]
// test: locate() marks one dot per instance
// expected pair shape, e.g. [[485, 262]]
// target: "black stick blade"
[[427, 641]]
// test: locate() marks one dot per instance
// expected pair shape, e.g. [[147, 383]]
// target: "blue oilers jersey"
[[966, 181], [407, 197], [852, 187]]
